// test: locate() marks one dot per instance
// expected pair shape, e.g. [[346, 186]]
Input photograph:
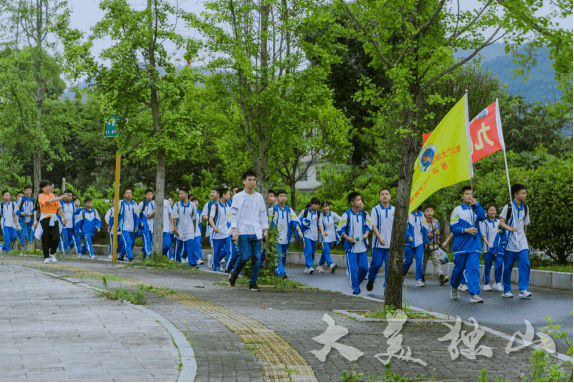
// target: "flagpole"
[[501, 139], [469, 143]]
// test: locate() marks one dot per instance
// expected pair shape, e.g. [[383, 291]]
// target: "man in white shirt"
[[309, 221], [515, 222], [146, 208], [382, 216], [186, 213], [219, 220], [250, 224]]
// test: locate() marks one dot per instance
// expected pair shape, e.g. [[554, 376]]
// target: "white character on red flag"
[[485, 133]]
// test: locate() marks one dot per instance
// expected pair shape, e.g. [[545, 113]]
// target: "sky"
[[86, 14]]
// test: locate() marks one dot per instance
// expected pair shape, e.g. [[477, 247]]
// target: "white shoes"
[[210, 261], [53, 258], [486, 288], [420, 283], [454, 293], [462, 287], [110, 257], [525, 294], [333, 267], [476, 299], [507, 295], [47, 260], [309, 270], [320, 269], [93, 257], [200, 261], [498, 286]]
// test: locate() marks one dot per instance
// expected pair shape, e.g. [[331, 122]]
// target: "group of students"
[[238, 220]]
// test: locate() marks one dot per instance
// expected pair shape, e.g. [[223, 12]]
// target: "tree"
[[323, 140], [159, 105], [260, 64], [31, 25]]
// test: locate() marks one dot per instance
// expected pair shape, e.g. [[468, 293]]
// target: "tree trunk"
[[37, 157], [159, 197], [293, 195]]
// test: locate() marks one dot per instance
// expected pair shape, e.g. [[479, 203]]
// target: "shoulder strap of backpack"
[[509, 212]]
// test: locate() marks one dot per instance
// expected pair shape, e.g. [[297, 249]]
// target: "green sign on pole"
[[110, 128]]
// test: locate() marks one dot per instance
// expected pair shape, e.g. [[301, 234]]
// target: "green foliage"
[[482, 377], [124, 295], [382, 313], [350, 376], [555, 330]]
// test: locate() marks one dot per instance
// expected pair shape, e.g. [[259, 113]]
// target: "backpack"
[[509, 212], [304, 228]]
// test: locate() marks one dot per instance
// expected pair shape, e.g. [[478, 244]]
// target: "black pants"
[[50, 237]]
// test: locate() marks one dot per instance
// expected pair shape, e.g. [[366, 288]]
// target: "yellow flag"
[[445, 158]]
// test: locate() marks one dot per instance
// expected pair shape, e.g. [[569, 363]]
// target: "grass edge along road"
[[278, 360]]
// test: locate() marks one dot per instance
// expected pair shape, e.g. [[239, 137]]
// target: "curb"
[[186, 354], [362, 318]]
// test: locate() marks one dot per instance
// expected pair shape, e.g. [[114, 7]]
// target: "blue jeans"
[[234, 255], [326, 254], [309, 252], [9, 234], [510, 258], [498, 261], [358, 266], [418, 253], [249, 247], [282, 252], [378, 257], [466, 266], [220, 251]]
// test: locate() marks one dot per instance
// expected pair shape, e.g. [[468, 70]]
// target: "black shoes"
[[254, 288], [284, 276], [370, 285], [232, 278]]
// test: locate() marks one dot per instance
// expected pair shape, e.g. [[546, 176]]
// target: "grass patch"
[[382, 313], [116, 278], [137, 298], [161, 291], [558, 268], [161, 263], [284, 285]]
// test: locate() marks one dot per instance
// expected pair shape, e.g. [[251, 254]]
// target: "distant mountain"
[[540, 85]]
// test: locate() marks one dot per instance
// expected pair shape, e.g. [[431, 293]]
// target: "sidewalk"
[[53, 330], [239, 335]]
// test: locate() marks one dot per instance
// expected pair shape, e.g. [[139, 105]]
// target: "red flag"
[[485, 133]]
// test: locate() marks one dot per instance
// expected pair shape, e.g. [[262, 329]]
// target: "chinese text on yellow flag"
[[444, 160]]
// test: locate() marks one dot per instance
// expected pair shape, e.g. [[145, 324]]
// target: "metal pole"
[[469, 142], [116, 206]]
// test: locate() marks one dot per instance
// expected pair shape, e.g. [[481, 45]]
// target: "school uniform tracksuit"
[[7, 223], [25, 206], [382, 219], [309, 226], [466, 247], [197, 238], [329, 223], [416, 229], [489, 228], [516, 248], [167, 230], [285, 221], [87, 223], [68, 234], [110, 220], [128, 222], [355, 226], [146, 226], [221, 215]]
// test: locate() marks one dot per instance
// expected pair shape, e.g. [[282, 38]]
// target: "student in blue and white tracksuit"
[[128, 223], [354, 228], [488, 229], [168, 229], [197, 238], [309, 221], [76, 237], [220, 222], [467, 244], [214, 195], [88, 223], [328, 236], [415, 240], [285, 220], [382, 217], [147, 209], [185, 213], [25, 212], [515, 222], [110, 220], [69, 231], [9, 220]]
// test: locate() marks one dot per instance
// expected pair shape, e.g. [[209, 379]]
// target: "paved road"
[[53, 330], [506, 315]]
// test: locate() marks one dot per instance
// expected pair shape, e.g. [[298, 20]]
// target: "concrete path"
[[53, 330]]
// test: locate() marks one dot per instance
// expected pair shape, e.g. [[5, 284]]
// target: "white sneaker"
[[476, 299], [507, 295], [454, 293], [525, 294], [184, 260], [200, 261], [320, 269], [486, 288], [210, 261], [462, 288], [47, 260], [333, 267], [110, 257], [498, 287], [420, 283], [53, 258], [309, 270], [93, 257]]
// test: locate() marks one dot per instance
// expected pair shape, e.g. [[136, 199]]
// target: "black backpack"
[[509, 212]]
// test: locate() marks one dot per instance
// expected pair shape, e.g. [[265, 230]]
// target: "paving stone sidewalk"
[[297, 317], [53, 330]]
